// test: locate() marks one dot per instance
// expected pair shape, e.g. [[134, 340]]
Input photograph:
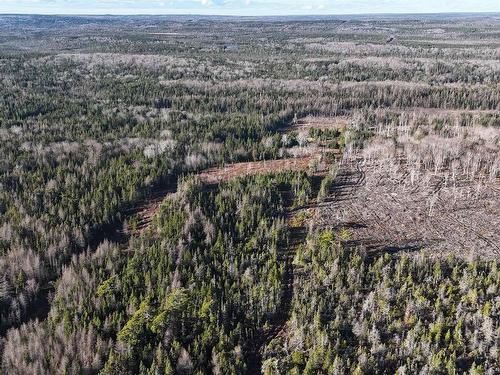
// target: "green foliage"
[[388, 313], [133, 331], [106, 287], [170, 312], [98, 115]]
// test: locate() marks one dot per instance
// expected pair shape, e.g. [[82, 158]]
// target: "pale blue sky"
[[246, 7]]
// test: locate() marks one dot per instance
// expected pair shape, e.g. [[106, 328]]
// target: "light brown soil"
[[385, 212], [312, 164], [224, 174]]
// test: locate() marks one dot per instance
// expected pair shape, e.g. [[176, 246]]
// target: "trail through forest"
[[136, 220], [297, 220], [311, 161]]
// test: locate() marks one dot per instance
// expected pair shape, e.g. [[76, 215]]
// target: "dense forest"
[[356, 314], [249, 274]]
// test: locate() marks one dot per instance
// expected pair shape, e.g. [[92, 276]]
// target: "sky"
[[246, 7]]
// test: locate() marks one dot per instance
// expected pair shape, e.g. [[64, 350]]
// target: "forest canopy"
[[200, 195]]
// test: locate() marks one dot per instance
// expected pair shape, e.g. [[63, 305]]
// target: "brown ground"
[[144, 211], [378, 201], [224, 174], [313, 164], [385, 212]]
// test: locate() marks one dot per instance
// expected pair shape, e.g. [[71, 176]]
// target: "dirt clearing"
[[438, 194]]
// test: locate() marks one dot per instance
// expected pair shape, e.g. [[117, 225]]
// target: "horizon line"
[[252, 16]]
